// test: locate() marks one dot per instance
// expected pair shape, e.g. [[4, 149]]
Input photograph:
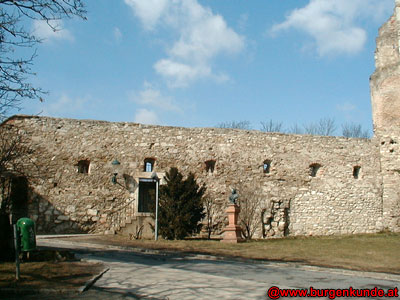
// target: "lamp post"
[[115, 169], [155, 177], [16, 245]]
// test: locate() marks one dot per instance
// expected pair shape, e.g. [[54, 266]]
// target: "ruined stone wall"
[[355, 189], [294, 202], [389, 141], [385, 82], [385, 98]]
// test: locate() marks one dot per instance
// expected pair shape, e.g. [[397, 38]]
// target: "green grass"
[[366, 252]]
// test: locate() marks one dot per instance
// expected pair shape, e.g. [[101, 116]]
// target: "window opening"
[[210, 166], [266, 166], [356, 172], [314, 169], [83, 166], [149, 164]]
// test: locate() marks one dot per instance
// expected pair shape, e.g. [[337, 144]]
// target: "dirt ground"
[[363, 252], [55, 270]]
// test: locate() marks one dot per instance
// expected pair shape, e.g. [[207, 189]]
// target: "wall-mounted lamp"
[[154, 176], [116, 165]]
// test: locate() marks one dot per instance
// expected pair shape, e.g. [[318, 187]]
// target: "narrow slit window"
[[356, 172], [210, 166], [314, 169], [266, 166], [83, 166], [149, 164]]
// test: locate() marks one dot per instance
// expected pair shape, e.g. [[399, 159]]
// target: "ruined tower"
[[385, 98]]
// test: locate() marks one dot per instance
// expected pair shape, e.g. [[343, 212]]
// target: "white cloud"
[[180, 74], [148, 11], [145, 116], [334, 24], [65, 105], [349, 111], [150, 96], [203, 36], [117, 34], [346, 107], [242, 23], [45, 31]]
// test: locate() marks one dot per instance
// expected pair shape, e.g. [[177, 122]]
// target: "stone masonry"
[[332, 202], [385, 98], [314, 185]]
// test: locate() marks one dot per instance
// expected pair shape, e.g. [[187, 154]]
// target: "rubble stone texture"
[[334, 201], [385, 98]]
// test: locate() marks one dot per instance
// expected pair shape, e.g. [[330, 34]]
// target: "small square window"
[[314, 169], [83, 166], [149, 164], [266, 166], [210, 166], [356, 172]]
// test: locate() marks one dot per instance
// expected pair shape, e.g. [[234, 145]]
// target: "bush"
[[180, 206]]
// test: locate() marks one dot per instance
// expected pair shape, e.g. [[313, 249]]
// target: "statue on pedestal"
[[232, 232], [233, 197]]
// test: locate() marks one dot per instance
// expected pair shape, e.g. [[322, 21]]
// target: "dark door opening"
[[19, 198], [147, 195]]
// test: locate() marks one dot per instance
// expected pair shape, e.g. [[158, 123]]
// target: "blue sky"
[[197, 63]]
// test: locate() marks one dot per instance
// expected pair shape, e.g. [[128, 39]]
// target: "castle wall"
[[385, 99], [389, 139], [293, 202], [355, 190], [385, 81]]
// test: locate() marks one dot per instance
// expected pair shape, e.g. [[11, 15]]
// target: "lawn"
[[365, 252], [48, 272]]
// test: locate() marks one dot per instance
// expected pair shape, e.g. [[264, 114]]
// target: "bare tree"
[[210, 210], [13, 155], [272, 126], [325, 126], [15, 68], [250, 201], [295, 129], [310, 128], [352, 130], [235, 125], [12, 150], [13, 161]]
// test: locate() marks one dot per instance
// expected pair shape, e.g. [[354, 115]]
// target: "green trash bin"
[[26, 232]]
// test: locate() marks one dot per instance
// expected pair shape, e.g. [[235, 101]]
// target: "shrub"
[[180, 206]]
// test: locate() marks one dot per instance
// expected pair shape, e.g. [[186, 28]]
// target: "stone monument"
[[232, 233]]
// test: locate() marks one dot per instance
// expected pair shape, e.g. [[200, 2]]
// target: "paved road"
[[159, 276]]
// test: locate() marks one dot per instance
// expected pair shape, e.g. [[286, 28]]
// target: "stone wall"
[[385, 98], [389, 140], [303, 185], [294, 202], [385, 82]]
